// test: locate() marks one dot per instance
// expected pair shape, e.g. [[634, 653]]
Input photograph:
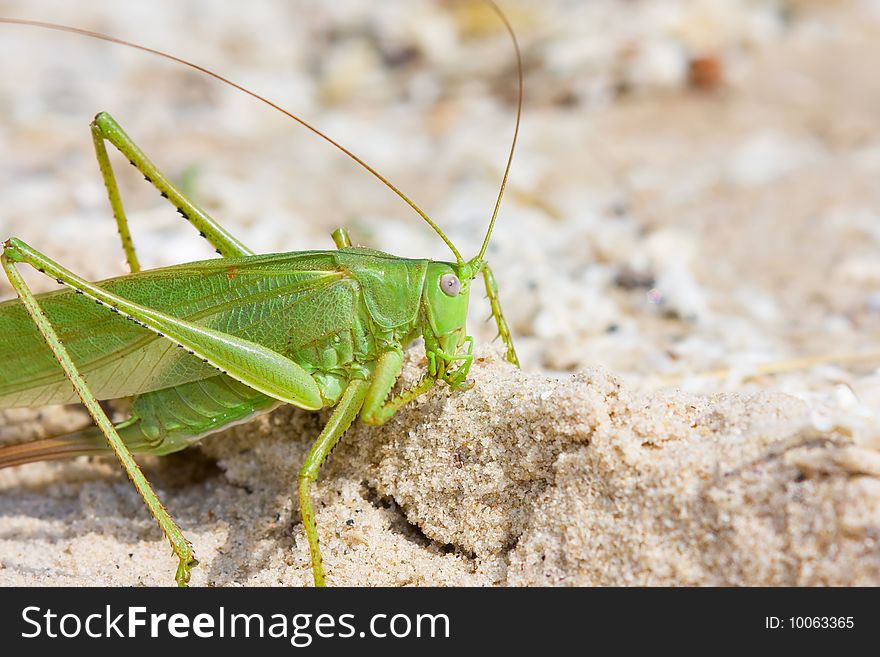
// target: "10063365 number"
[[821, 622]]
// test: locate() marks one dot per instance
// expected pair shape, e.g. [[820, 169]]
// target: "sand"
[[525, 480], [698, 184]]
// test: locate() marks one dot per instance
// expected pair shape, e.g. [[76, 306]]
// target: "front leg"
[[495, 303], [376, 410]]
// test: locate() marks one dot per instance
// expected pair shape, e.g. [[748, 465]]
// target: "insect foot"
[[188, 561]]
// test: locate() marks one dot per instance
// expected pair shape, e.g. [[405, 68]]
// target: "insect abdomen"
[[166, 421]]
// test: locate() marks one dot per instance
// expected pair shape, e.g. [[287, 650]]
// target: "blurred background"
[[697, 184]]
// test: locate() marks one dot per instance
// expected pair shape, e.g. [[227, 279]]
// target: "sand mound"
[[523, 480]]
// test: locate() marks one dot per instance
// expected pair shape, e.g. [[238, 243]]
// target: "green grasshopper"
[[197, 347]]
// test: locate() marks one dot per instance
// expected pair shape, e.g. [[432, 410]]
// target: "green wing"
[[274, 300]]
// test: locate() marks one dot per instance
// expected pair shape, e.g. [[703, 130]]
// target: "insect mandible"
[[207, 338]]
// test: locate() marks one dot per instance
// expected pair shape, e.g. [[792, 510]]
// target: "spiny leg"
[[495, 303], [343, 415], [250, 363], [105, 127], [181, 546]]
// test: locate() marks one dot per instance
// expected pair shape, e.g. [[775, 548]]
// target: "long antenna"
[[519, 104], [217, 76]]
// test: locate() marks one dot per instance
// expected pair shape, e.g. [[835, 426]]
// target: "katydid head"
[[445, 300]]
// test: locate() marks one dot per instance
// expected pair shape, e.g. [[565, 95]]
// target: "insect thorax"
[[373, 308]]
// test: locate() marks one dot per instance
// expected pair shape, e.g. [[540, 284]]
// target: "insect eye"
[[450, 284]]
